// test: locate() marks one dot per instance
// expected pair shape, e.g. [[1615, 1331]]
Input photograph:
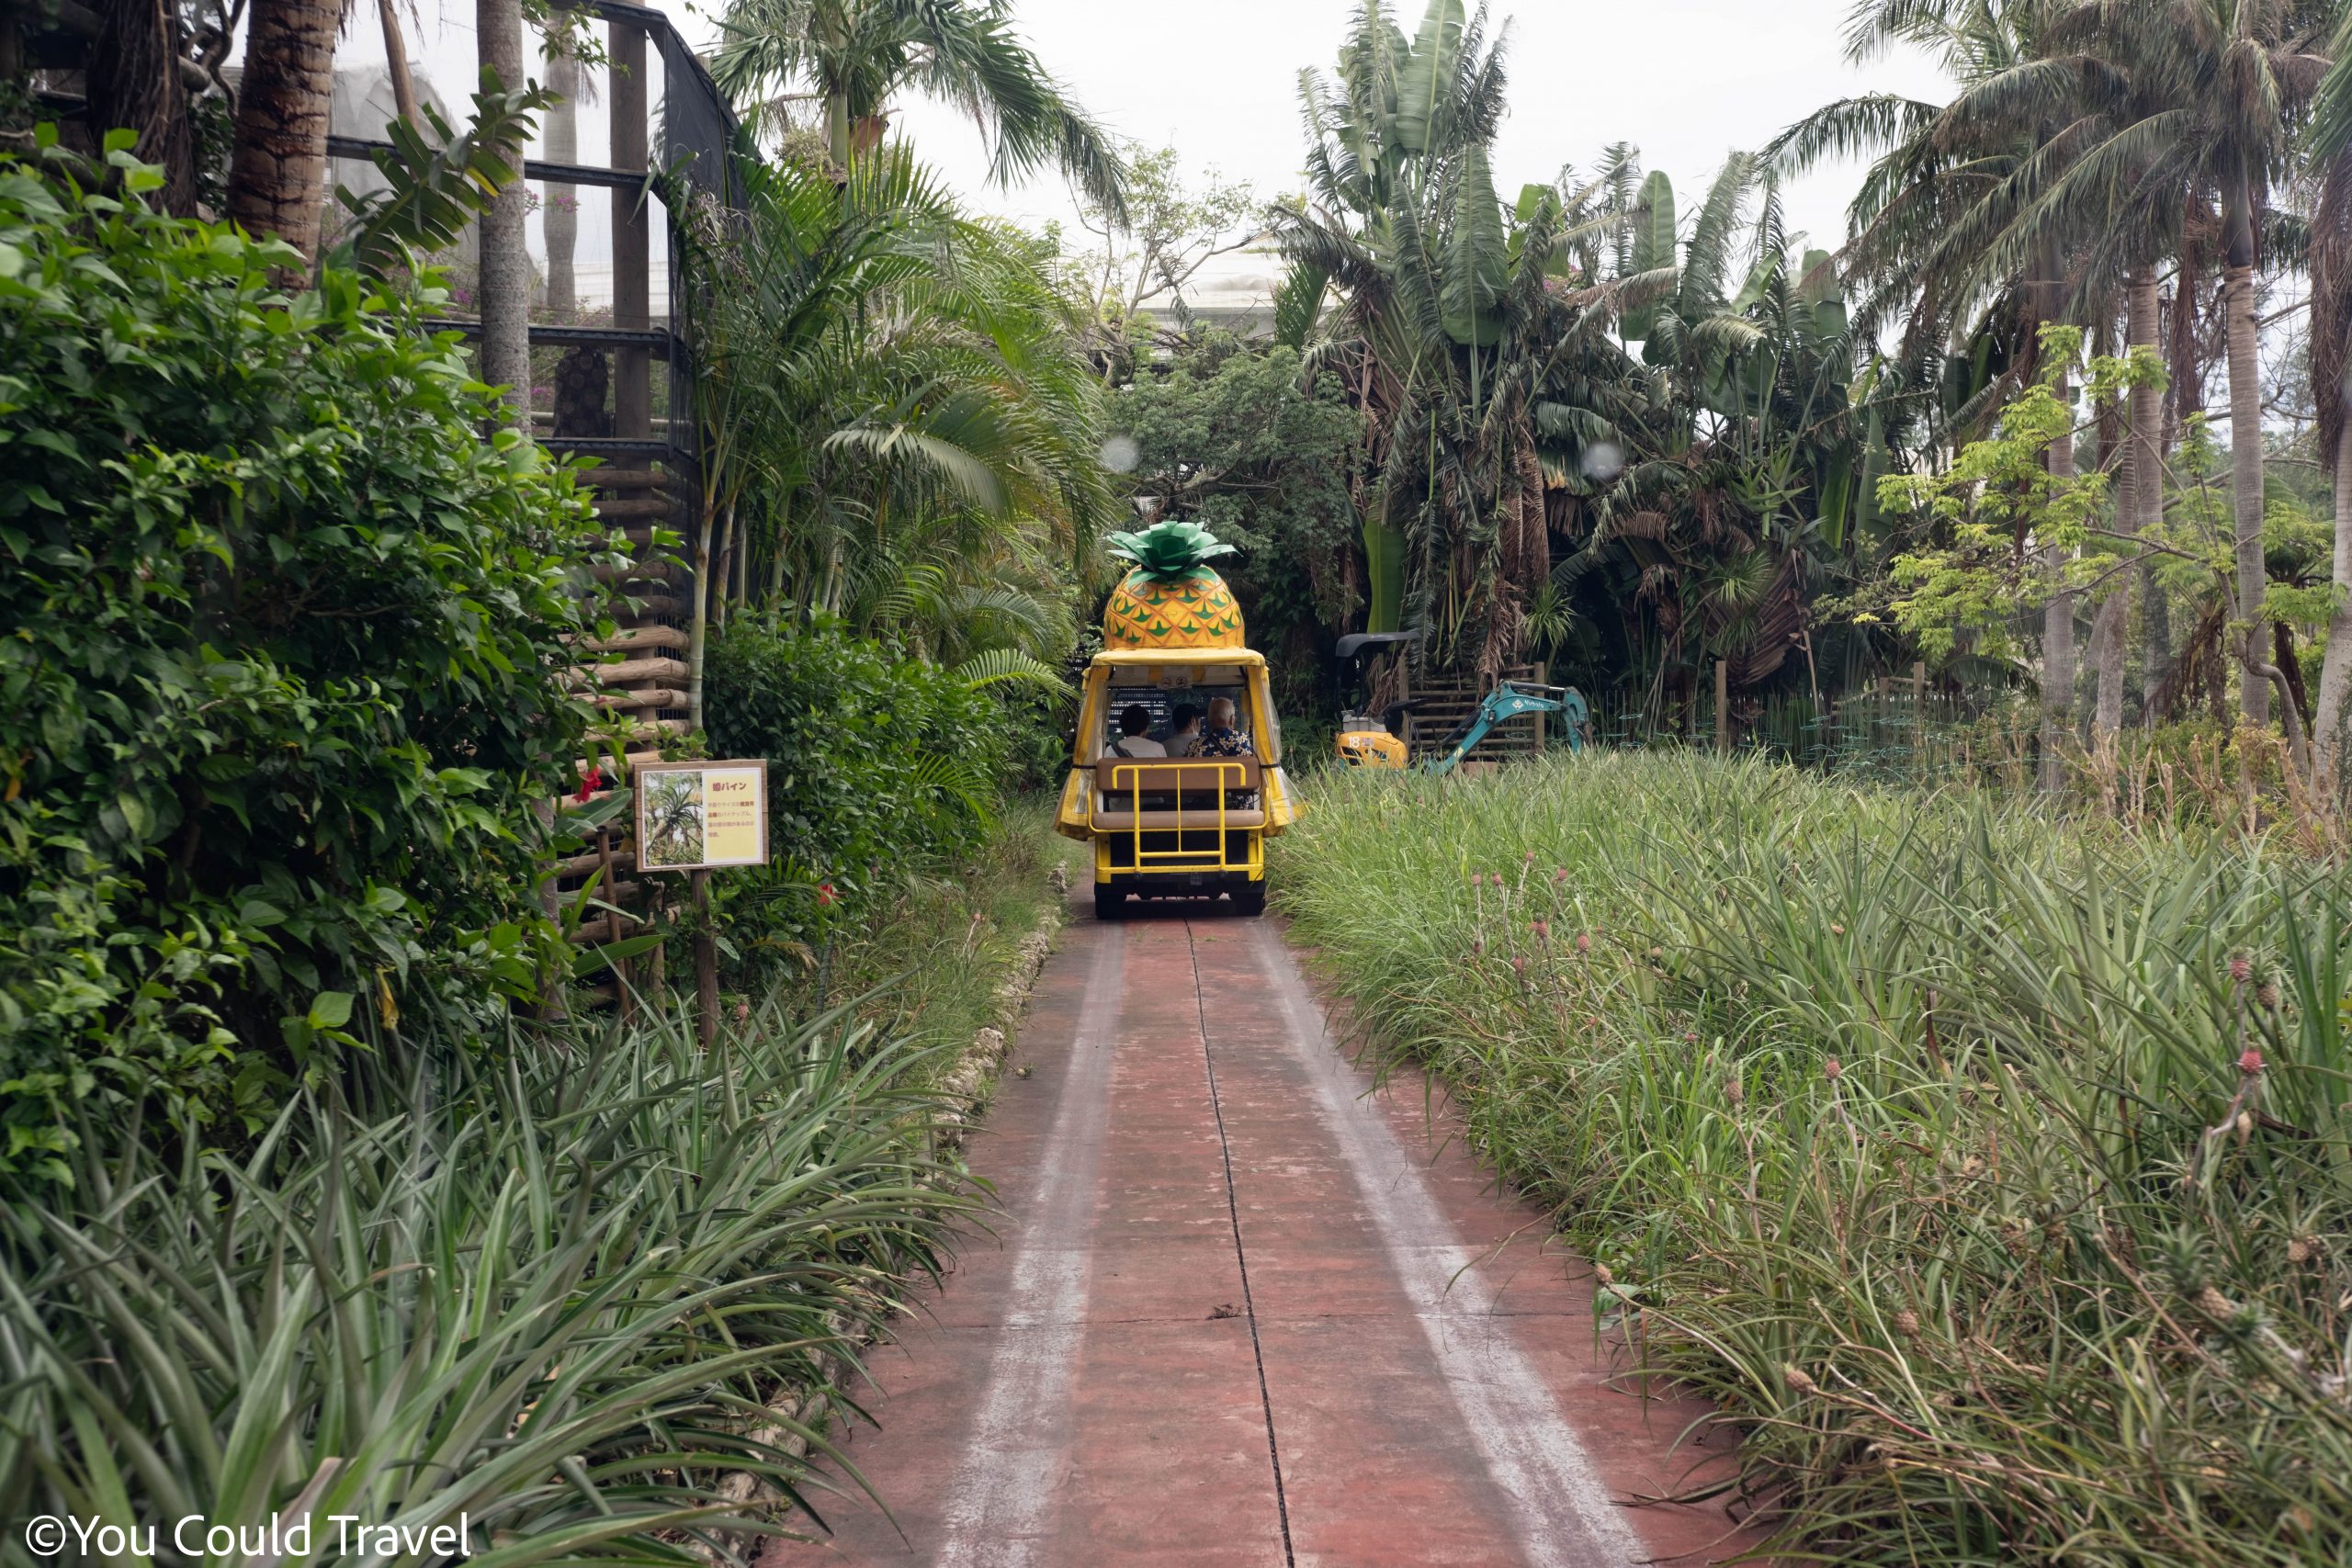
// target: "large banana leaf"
[[1425, 74], [1298, 302], [1653, 247], [1476, 262]]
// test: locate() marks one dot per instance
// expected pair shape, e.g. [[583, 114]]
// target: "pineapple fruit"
[[1171, 599]]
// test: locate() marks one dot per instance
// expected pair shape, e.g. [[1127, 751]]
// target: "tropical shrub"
[[557, 1296], [280, 641], [1990, 1172], [878, 763]]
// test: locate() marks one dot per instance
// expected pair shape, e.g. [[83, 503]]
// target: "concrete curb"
[[963, 1094]]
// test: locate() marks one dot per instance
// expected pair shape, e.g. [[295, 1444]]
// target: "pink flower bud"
[[1543, 929], [1584, 941], [1497, 879], [1518, 963], [2250, 1061], [1559, 877], [1477, 947], [2241, 968], [1832, 1070]]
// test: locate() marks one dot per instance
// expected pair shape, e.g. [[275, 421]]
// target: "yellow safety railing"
[[1134, 772]]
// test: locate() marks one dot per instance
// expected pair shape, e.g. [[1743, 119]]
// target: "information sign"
[[694, 816]]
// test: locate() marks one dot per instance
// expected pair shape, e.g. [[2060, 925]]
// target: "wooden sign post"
[[694, 817]]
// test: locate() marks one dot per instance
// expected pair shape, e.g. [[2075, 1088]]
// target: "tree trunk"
[[2144, 460], [277, 162], [505, 294], [2246, 449], [2057, 635], [2114, 616], [2335, 671], [134, 84], [396, 65], [2290, 671], [560, 212]]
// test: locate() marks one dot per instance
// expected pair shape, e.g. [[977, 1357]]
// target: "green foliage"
[[435, 188], [546, 1297], [1168, 552], [898, 418], [281, 677], [1245, 444], [1993, 511], [878, 765], [1988, 1170]]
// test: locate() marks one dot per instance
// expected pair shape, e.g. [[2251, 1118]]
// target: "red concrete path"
[[1238, 1311]]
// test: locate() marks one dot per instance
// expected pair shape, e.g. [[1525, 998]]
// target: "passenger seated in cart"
[[1134, 739], [1183, 730], [1220, 738]]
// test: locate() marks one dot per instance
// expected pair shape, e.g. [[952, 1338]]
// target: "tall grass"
[[1991, 1172], [554, 1297]]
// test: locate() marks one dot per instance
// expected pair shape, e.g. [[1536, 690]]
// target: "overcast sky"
[[1687, 80]]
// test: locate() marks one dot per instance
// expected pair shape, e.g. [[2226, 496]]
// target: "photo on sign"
[[673, 818]]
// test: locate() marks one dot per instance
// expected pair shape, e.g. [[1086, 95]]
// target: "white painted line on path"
[[1559, 1502], [999, 1507]]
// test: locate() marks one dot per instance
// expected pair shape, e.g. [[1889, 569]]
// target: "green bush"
[[557, 1299], [877, 764], [279, 663]]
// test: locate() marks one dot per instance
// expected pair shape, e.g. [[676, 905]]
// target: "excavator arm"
[[1505, 702]]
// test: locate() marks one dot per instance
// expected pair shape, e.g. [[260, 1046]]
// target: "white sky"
[[1687, 80]]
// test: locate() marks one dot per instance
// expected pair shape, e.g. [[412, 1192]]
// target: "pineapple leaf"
[[1168, 552]]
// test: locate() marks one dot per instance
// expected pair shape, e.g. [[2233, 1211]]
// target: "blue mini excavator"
[[1368, 742]]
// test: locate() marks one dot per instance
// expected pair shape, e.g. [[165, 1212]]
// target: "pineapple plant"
[[1171, 599]]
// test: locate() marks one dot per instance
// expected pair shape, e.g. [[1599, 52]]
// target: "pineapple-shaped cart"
[[1186, 826]]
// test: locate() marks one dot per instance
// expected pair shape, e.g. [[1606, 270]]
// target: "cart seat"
[[1181, 792], [1120, 775], [1119, 820]]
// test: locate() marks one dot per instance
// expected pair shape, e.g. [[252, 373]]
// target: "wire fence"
[[1895, 730]]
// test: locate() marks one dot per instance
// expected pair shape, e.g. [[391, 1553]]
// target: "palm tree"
[[2248, 66], [1938, 233], [2330, 153], [902, 420], [278, 157], [852, 57]]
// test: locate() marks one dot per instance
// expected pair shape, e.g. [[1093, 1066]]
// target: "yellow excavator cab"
[[1176, 826]]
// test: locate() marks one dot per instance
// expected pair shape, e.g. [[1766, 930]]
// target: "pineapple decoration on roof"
[[1171, 599]]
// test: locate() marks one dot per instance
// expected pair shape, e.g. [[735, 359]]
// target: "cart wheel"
[[1249, 898], [1110, 902]]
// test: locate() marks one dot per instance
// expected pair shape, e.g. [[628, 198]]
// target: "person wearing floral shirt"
[[1219, 736]]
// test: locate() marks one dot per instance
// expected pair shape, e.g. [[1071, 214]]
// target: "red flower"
[[2250, 1062], [1584, 941], [1543, 929], [1831, 1068], [824, 893], [590, 784]]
